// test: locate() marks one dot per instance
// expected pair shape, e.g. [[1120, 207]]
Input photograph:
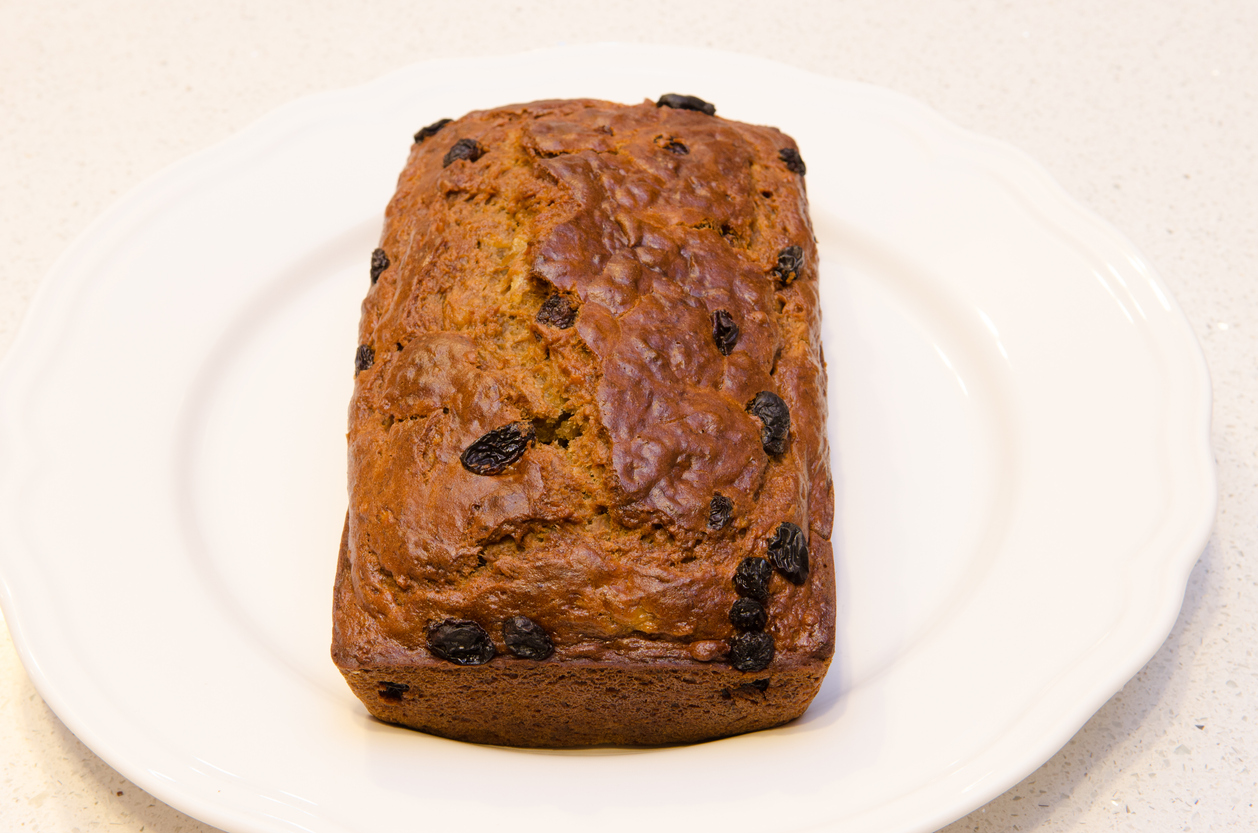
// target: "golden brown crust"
[[599, 531]]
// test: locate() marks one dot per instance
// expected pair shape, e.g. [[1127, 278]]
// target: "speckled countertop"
[[1145, 112]]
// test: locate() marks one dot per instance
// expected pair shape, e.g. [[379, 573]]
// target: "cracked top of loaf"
[[609, 287]]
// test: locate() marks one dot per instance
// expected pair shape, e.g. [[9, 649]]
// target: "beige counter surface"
[[1145, 112]]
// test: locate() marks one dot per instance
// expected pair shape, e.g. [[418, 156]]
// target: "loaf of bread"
[[589, 489]]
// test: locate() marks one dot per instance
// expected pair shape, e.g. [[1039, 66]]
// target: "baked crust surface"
[[563, 274]]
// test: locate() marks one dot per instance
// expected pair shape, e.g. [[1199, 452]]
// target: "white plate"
[[1019, 416]]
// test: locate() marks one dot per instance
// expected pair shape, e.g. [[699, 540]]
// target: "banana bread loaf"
[[590, 498]]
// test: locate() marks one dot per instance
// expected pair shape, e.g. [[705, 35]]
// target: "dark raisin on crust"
[[379, 262], [686, 102], [790, 264], [558, 310], [759, 685], [748, 615], [526, 639], [393, 691], [772, 411], [672, 145], [468, 149], [751, 579], [431, 130], [724, 331], [461, 641], [788, 551], [493, 452], [751, 651], [719, 511], [794, 162], [364, 358]]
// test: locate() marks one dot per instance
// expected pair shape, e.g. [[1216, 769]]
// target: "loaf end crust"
[[545, 704]]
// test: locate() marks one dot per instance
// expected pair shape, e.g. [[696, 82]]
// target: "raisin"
[[751, 651], [364, 358], [527, 639], [379, 262], [751, 579], [790, 264], [431, 130], [759, 685], [501, 447], [719, 511], [393, 691], [776, 418], [724, 331], [672, 145], [468, 149], [558, 311], [793, 161], [686, 102], [788, 550], [748, 615], [461, 642]]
